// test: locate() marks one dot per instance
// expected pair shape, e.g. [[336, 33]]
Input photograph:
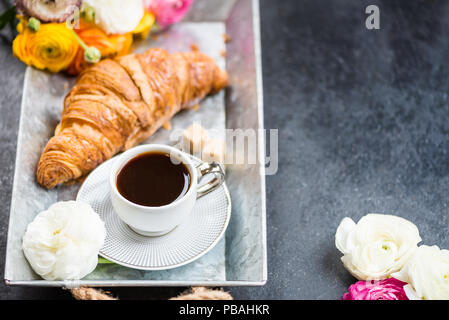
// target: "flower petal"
[[347, 225]]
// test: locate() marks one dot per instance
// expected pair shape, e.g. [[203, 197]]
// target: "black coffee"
[[152, 179]]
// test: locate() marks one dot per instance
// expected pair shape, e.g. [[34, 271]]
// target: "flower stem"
[[91, 54], [81, 42]]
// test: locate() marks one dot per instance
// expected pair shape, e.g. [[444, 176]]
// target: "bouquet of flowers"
[[382, 252], [70, 35]]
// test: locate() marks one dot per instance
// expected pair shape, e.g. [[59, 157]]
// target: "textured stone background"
[[363, 128]]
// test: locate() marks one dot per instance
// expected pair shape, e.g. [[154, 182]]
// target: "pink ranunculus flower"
[[168, 12], [388, 289]]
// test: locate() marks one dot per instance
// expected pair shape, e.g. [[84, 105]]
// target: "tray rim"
[[167, 283], [261, 125], [134, 283]]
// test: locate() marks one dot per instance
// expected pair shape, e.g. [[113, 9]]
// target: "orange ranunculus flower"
[[53, 47], [109, 46]]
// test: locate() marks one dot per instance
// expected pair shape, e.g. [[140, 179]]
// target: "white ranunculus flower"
[[62, 243], [377, 245], [117, 16], [427, 274]]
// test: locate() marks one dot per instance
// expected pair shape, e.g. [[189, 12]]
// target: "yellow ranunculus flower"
[[143, 28], [53, 47]]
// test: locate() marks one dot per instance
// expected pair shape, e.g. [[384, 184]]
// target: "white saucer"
[[184, 244]]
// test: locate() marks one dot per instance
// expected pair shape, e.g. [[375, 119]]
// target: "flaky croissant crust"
[[117, 104]]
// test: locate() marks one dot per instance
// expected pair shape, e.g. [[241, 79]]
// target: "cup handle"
[[210, 168]]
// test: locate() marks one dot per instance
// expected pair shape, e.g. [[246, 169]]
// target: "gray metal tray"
[[239, 258]]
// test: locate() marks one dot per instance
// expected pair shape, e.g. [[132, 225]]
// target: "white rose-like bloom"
[[62, 243], [427, 274], [377, 245], [117, 16]]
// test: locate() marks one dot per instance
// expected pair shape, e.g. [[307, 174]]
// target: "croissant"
[[118, 103]]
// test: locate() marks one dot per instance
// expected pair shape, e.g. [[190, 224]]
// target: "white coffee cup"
[[157, 221]]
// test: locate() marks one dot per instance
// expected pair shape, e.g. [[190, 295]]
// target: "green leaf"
[[7, 17], [102, 260]]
